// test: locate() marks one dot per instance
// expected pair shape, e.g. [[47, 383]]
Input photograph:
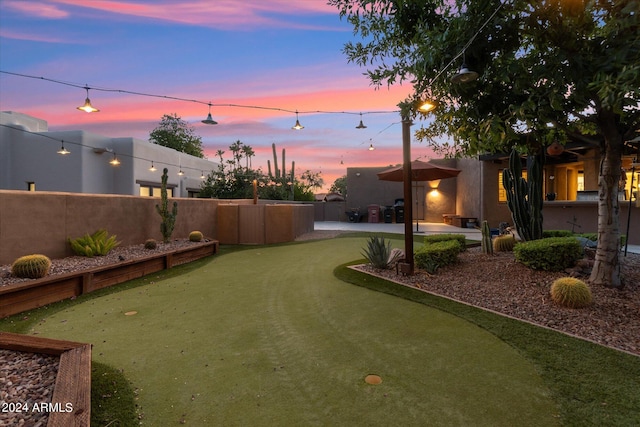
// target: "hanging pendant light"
[[152, 168], [202, 175], [63, 150], [464, 75], [180, 171], [361, 125], [371, 147], [297, 126], [114, 161], [427, 105], [209, 120], [87, 104]]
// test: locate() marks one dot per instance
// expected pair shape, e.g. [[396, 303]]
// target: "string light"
[[209, 119]]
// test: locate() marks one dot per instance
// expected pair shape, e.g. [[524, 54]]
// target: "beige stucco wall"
[[42, 222]]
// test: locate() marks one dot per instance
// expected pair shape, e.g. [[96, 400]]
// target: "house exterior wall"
[[32, 156]]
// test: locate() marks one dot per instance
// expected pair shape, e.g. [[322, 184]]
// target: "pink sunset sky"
[[274, 54]]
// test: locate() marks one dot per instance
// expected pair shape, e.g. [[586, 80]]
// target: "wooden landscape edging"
[[71, 397], [20, 297]]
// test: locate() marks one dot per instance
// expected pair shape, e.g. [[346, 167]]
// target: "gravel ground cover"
[[501, 284], [26, 383]]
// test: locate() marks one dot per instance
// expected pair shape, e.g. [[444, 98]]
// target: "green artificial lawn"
[[269, 336]]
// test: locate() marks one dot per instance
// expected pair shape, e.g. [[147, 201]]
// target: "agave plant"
[[380, 254]]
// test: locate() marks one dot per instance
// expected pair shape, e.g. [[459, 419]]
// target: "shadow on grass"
[[592, 384]]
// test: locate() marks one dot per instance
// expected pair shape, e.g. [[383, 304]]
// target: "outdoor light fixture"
[[202, 175], [87, 104], [297, 126], [152, 168], [371, 147], [114, 161], [209, 120], [361, 125], [180, 172], [427, 105], [63, 150], [464, 75]]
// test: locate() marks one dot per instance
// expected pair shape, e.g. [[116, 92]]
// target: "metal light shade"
[[371, 147], [88, 107], [464, 75], [361, 125], [209, 120], [63, 150], [87, 104], [297, 126]]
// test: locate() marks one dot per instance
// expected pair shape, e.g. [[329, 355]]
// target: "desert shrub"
[[96, 244], [591, 236], [435, 255], [379, 253], [31, 266], [571, 292], [504, 243], [550, 254], [195, 236], [150, 244], [556, 233], [435, 238]]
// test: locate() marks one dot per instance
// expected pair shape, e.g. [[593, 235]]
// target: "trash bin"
[[387, 213], [399, 210], [374, 213]]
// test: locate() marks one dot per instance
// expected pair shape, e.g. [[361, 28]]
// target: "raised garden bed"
[[19, 297], [70, 403]]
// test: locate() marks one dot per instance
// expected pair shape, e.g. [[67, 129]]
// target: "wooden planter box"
[[24, 296], [73, 381]]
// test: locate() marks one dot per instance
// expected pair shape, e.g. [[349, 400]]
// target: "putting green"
[[268, 336]]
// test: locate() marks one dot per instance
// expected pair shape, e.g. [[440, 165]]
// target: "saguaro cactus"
[[168, 218], [524, 198]]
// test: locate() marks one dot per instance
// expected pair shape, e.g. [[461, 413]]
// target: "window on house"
[[502, 193], [153, 191]]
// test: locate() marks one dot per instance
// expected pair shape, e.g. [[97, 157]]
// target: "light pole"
[[407, 267]]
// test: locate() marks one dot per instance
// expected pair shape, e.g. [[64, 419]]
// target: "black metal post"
[[633, 174], [408, 199]]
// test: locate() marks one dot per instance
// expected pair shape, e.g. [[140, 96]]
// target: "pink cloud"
[[30, 36], [36, 8], [217, 14]]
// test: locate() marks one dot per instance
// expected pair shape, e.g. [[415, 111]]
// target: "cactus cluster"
[[504, 243], [487, 247], [31, 266], [195, 236], [168, 218], [571, 292], [524, 198]]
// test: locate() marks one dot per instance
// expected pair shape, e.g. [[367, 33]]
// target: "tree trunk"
[[606, 269]]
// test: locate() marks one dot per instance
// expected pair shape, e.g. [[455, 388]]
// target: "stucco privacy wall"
[[41, 222]]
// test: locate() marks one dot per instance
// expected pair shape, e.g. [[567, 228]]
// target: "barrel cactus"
[[195, 236], [571, 292], [504, 243], [150, 244], [31, 266]]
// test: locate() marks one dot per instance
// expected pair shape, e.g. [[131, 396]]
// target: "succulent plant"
[[150, 244], [195, 236], [504, 243], [31, 266], [571, 292]]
